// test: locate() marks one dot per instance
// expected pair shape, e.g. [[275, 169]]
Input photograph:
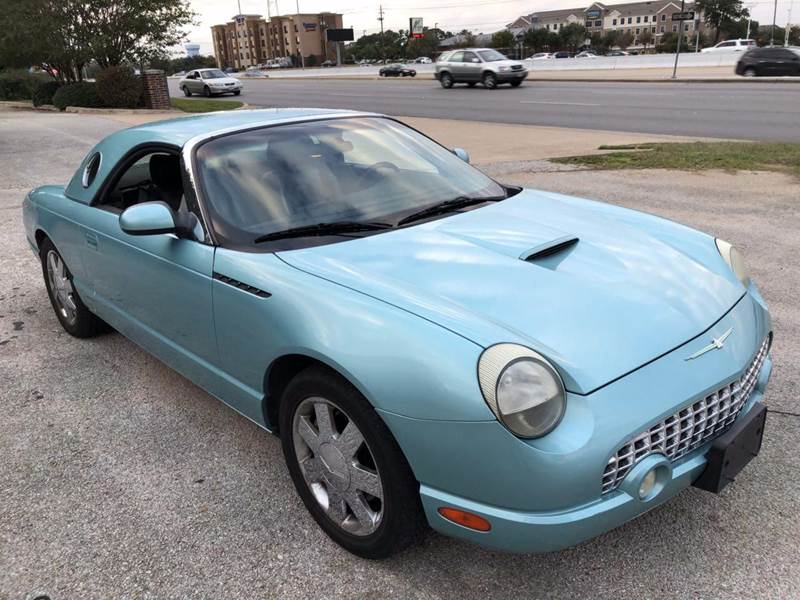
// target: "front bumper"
[[508, 76], [545, 494]]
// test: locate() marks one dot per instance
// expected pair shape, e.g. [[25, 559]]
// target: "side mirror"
[[148, 218], [462, 154], [476, 60]]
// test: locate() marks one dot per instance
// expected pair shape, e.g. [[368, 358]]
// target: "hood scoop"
[[549, 248]]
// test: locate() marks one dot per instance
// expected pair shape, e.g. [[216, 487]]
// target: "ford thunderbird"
[[517, 368]]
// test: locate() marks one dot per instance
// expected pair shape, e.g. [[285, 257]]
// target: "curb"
[[26, 105], [120, 111]]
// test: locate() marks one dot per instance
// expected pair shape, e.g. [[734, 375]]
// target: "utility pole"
[[380, 18], [788, 25], [680, 36], [774, 18], [300, 38]]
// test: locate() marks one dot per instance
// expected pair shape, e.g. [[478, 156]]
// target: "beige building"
[[633, 17], [251, 40]]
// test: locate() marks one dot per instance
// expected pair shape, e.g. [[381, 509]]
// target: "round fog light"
[[647, 485]]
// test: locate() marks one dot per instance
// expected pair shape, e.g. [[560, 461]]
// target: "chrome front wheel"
[[338, 466], [61, 287]]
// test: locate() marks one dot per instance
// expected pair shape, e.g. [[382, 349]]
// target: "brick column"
[[156, 92]]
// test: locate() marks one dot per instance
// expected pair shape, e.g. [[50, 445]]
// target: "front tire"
[[490, 81], [750, 72], [347, 468], [75, 318], [186, 91], [207, 92], [446, 80]]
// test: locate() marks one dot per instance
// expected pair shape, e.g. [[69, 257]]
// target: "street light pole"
[[300, 38], [774, 18], [680, 35], [788, 25]]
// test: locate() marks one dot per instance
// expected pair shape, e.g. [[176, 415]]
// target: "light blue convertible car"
[[517, 368]]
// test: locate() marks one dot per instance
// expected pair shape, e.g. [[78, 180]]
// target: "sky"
[[451, 15]]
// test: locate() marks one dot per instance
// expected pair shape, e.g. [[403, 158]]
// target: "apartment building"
[[250, 40], [633, 17]]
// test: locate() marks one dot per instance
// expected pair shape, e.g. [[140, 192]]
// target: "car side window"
[[154, 176], [456, 57], [470, 57]]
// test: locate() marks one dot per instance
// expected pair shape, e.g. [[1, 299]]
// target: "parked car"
[[586, 54], [254, 72], [479, 65], [397, 70], [562, 54], [541, 56], [619, 53], [210, 82], [738, 45], [328, 63], [769, 62], [521, 369], [424, 60]]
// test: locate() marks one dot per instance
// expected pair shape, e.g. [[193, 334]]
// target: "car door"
[[785, 62], [472, 67], [155, 289], [196, 84], [455, 63]]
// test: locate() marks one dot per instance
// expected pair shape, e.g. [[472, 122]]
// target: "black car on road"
[[397, 70], [769, 62]]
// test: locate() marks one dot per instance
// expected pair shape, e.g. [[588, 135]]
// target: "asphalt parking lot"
[[119, 478]]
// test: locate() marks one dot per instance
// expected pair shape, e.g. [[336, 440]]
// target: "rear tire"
[[489, 81], [324, 456], [71, 312], [446, 80], [186, 91]]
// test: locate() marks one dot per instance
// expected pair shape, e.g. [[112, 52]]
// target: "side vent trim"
[[242, 286], [549, 248]]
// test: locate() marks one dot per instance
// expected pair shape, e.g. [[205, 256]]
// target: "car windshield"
[[366, 170], [214, 74], [491, 55]]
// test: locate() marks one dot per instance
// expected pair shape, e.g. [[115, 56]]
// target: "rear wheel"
[[70, 310], [347, 467], [489, 81], [186, 91], [446, 80]]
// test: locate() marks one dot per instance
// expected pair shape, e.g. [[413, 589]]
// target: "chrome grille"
[[689, 428]]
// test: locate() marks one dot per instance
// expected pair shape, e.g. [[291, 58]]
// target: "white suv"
[[739, 45]]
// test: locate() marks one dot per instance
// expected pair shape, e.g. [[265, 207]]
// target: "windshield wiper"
[[448, 206], [332, 228]]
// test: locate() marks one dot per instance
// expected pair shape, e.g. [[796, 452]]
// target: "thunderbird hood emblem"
[[716, 344]]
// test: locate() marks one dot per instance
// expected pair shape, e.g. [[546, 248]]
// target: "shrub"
[[119, 87], [44, 92], [82, 93], [17, 85]]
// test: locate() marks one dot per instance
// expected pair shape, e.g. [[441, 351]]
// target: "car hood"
[[632, 288], [223, 80], [506, 63]]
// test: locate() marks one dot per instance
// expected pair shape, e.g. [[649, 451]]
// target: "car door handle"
[[91, 240]]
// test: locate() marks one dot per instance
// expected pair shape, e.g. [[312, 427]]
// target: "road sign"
[[415, 27], [339, 35], [683, 16]]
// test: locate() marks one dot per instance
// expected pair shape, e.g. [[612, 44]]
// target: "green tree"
[[668, 42], [503, 39], [133, 30], [645, 38], [717, 12], [611, 38], [625, 40], [536, 39], [573, 36]]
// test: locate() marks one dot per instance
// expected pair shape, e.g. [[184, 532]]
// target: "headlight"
[[523, 390], [735, 261], [504, 68]]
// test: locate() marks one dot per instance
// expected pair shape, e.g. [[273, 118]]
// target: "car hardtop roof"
[[177, 132]]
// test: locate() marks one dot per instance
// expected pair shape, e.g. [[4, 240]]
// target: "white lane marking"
[[559, 103]]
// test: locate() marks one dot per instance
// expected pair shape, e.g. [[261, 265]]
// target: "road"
[[751, 111], [120, 479]]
